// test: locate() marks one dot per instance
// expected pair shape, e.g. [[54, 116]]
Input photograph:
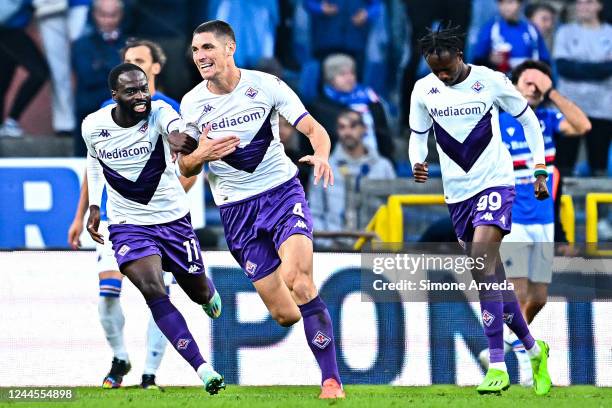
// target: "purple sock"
[[320, 337], [512, 312], [211, 287], [171, 322], [492, 310]]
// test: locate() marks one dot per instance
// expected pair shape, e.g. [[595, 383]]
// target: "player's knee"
[[285, 318], [152, 290]]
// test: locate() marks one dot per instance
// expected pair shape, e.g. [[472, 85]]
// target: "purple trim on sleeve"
[[421, 133], [523, 111], [168, 126], [300, 118]]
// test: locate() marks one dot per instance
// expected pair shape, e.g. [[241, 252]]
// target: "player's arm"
[[187, 182], [95, 183], [574, 122], [76, 228], [420, 124], [321, 145]]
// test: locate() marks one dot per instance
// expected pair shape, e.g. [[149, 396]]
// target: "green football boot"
[[539, 366], [213, 308], [494, 382]]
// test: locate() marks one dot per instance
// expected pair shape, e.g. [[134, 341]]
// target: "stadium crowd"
[[353, 63]]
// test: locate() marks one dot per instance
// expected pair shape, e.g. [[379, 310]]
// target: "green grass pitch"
[[306, 396]]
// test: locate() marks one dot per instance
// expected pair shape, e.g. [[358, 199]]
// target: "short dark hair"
[[443, 39], [533, 8], [157, 53], [529, 64], [118, 70], [347, 111], [217, 27]]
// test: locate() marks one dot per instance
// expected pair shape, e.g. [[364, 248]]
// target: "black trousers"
[[597, 144], [422, 14], [18, 49]]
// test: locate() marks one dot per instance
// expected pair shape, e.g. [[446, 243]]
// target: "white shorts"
[[106, 256], [530, 251]]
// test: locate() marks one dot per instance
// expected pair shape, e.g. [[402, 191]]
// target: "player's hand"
[[539, 79], [421, 172], [540, 189], [329, 9], [322, 169], [360, 17], [93, 222], [74, 232], [215, 149], [567, 250], [181, 143]]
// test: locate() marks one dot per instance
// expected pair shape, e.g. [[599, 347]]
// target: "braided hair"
[[443, 39]]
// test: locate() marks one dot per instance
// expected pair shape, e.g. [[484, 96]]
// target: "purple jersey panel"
[[175, 242], [255, 228], [492, 206]]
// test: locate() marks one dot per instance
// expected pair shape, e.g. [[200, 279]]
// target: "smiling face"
[[132, 94], [212, 54], [446, 66]]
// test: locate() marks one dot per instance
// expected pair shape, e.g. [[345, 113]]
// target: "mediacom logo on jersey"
[[225, 122], [121, 152], [464, 109]]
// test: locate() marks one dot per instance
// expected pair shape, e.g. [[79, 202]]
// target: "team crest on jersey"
[[487, 317], [207, 108], [510, 131], [477, 87], [321, 340], [250, 267], [144, 127], [104, 133], [182, 344], [251, 92], [433, 90]]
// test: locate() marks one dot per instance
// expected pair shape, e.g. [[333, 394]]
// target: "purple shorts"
[[175, 242], [256, 227], [492, 206]]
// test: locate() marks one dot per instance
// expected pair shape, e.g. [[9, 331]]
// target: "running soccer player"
[[151, 58], [529, 256], [130, 147], [265, 215], [461, 104]]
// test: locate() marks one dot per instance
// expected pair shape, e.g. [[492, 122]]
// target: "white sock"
[[204, 369], [499, 366], [112, 320], [156, 346], [534, 351]]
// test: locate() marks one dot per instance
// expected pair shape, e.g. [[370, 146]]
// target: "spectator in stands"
[[18, 50], [509, 39], [342, 91], [351, 161], [254, 23], [341, 26], [289, 137], [583, 54], [544, 17], [93, 56], [169, 24], [422, 14], [60, 22]]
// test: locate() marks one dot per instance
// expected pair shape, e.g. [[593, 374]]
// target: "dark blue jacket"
[[92, 60], [338, 31]]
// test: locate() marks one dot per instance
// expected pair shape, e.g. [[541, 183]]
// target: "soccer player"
[[529, 256], [130, 147], [150, 57], [267, 222], [461, 104]]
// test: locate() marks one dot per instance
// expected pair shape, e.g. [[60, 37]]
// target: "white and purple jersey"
[[136, 162], [250, 112], [465, 120]]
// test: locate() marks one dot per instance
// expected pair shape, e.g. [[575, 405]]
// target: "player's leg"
[[296, 270], [156, 346], [537, 294], [201, 290], [110, 312]]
